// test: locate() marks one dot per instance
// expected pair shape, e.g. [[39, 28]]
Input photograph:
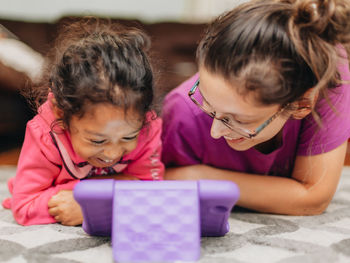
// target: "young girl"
[[267, 109], [97, 122]]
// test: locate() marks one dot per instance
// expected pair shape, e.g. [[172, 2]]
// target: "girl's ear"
[[57, 112], [305, 104]]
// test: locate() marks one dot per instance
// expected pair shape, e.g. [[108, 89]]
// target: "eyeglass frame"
[[248, 133]]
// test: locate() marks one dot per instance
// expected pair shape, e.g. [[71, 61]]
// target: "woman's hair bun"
[[329, 19]]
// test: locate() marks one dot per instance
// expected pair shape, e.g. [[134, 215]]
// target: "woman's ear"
[[57, 112], [305, 104]]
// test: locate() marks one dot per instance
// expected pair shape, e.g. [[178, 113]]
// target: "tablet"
[[157, 220], [217, 199]]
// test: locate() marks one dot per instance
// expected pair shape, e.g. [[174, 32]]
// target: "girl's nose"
[[113, 152]]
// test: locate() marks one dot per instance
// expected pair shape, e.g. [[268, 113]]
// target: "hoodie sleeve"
[[35, 183], [145, 159]]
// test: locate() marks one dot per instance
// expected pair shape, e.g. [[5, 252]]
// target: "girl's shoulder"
[[38, 133], [152, 127], [40, 125], [149, 137]]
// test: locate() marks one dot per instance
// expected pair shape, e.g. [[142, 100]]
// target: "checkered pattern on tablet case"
[[156, 225]]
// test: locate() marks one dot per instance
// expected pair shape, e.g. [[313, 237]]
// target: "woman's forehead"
[[224, 97]]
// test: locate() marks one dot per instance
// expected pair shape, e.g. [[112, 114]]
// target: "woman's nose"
[[218, 129]]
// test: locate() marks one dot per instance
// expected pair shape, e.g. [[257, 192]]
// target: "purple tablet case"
[[156, 221]]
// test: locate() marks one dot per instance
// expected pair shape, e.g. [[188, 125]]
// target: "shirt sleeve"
[[334, 127], [145, 160], [34, 184], [182, 134]]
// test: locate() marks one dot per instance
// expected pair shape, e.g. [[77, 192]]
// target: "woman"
[[268, 109]]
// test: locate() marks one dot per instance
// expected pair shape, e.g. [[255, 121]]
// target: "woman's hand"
[[65, 209]]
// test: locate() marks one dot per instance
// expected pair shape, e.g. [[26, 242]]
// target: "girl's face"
[[104, 134], [223, 99]]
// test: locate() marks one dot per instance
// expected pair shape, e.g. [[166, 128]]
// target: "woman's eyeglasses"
[[233, 125]]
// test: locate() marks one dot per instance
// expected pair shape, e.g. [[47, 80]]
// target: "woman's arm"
[[308, 192]]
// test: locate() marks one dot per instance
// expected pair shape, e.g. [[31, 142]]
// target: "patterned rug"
[[253, 237]]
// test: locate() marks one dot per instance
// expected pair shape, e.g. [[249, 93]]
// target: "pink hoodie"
[[48, 164]]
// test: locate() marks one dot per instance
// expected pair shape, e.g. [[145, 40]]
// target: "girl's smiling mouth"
[[107, 162]]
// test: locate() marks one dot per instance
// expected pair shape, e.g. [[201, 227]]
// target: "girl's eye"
[[98, 142], [127, 139]]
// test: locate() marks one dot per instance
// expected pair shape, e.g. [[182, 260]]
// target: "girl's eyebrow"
[[103, 135], [95, 133], [138, 130]]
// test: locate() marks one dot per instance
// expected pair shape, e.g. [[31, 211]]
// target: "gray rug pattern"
[[253, 237]]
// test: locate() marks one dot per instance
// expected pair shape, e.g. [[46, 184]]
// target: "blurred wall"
[[145, 10], [35, 23]]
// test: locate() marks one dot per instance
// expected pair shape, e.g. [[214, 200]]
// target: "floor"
[[11, 157], [253, 237]]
